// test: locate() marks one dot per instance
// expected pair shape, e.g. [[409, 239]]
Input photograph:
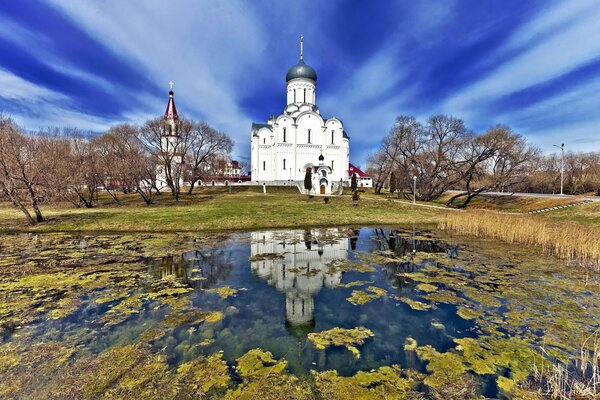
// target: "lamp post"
[[414, 189], [562, 164]]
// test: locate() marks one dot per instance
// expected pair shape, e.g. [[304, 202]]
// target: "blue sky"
[[533, 65]]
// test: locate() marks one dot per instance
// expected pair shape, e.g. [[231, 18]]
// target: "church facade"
[[301, 138]]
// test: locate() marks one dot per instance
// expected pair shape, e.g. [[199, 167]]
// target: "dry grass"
[[577, 243], [578, 378]]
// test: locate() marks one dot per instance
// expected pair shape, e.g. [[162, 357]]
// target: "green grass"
[[216, 209], [517, 204], [585, 214], [246, 207]]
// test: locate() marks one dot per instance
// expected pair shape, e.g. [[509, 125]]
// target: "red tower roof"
[[171, 111]]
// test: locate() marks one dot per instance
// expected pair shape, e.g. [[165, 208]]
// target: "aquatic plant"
[[388, 382], [349, 338], [362, 297], [266, 256], [414, 304], [353, 284], [223, 292], [578, 377], [266, 378]]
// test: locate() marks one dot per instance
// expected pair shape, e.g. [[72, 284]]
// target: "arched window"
[[305, 95], [284, 163], [309, 136], [332, 135], [284, 134], [323, 173]]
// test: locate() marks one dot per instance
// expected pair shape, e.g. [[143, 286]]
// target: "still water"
[[272, 289]]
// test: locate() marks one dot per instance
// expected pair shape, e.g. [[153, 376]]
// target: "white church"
[[300, 138]]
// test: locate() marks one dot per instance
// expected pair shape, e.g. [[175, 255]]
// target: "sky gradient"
[[533, 65]]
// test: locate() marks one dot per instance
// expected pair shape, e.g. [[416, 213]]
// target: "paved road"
[[554, 196]]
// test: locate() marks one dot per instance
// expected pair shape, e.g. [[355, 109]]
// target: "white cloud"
[[201, 46], [567, 45], [17, 88]]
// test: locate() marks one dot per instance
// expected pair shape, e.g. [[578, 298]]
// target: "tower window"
[[305, 95], [264, 165], [284, 134], [294, 95], [264, 141], [331, 164], [332, 134], [284, 163], [309, 136]]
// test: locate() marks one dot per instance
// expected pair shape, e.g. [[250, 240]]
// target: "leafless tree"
[[83, 173], [496, 160], [205, 146], [26, 164], [166, 151]]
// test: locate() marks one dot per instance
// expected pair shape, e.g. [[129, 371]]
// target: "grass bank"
[[577, 243], [217, 209]]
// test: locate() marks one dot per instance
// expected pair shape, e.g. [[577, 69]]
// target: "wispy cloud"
[[570, 35], [203, 47], [531, 65]]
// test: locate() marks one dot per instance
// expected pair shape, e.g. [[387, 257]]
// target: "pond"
[[311, 313]]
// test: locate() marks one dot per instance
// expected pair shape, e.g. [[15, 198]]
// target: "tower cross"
[[302, 47], [170, 85]]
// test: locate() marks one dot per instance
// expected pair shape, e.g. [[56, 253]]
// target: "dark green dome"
[[301, 70]]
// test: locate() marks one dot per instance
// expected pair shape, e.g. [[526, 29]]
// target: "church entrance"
[[323, 185]]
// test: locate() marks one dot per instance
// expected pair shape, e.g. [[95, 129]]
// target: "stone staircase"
[[560, 207]]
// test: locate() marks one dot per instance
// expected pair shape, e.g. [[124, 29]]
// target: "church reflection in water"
[[296, 264]]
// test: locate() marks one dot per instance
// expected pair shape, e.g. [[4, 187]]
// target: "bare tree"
[[167, 151], [26, 163], [496, 160], [83, 173], [205, 146]]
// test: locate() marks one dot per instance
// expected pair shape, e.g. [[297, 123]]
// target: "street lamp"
[[414, 189], [562, 164]]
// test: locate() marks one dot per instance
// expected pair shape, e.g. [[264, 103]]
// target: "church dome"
[[301, 70]]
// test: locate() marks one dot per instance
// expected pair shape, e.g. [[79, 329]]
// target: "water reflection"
[[300, 268]]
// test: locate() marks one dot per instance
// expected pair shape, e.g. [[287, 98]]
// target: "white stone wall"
[[295, 139]]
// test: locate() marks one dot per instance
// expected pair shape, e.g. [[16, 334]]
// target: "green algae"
[[223, 292], [353, 284], [267, 256], [345, 265], [388, 382], [414, 304], [426, 287], [410, 344], [444, 368], [468, 313], [193, 318], [266, 378], [360, 297], [349, 338]]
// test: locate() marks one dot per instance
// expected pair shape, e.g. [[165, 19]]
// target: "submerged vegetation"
[[349, 338], [573, 242], [93, 317]]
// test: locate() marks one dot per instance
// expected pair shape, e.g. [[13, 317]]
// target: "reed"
[[577, 243], [577, 378]]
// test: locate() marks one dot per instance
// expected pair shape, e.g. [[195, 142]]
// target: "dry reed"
[[578, 244], [578, 378]]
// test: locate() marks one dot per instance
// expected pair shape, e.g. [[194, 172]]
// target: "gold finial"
[[301, 47]]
